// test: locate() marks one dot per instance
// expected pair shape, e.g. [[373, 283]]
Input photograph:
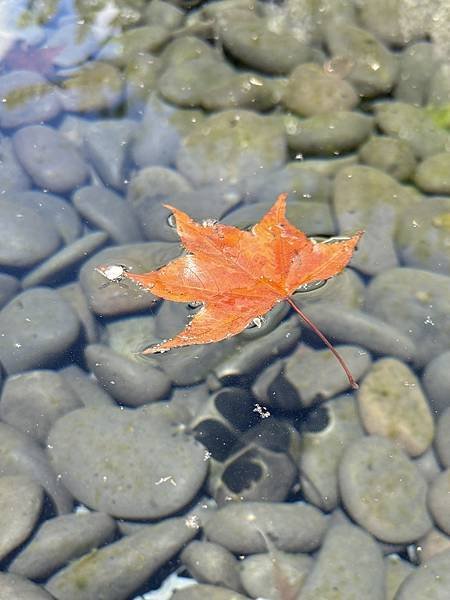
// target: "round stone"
[[430, 581], [117, 461], [51, 161], [443, 438], [436, 381], [37, 327], [231, 145], [393, 405], [439, 500], [391, 155], [384, 491], [15, 586], [432, 175]]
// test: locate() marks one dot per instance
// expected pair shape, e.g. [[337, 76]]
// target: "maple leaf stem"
[[317, 331]]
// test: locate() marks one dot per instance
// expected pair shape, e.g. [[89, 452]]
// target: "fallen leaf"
[[238, 275]]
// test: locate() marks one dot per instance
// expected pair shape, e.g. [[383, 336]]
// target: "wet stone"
[[417, 63], [296, 527], [51, 161], [423, 235], [354, 326], [242, 90], [439, 501], [417, 303], [312, 91], [210, 563], [248, 38], [413, 125], [120, 48], [436, 382], [53, 209], [346, 290], [164, 14], [432, 175], [206, 592], [118, 569], [443, 438], [15, 586], [130, 382], [65, 259], [321, 451], [25, 236], [157, 138], [106, 146], [12, 176], [154, 183], [27, 98], [73, 294], [331, 576], [388, 154], [383, 490], [106, 210], [88, 392], [116, 461], [9, 286], [396, 571], [231, 145], [75, 44], [95, 86], [317, 375], [329, 133], [37, 327], [33, 401], [393, 405], [368, 199], [21, 455], [439, 90], [260, 573], [21, 501], [431, 580], [60, 540], [434, 542], [364, 50], [113, 298]]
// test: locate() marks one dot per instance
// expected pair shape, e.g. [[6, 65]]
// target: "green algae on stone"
[[94, 86], [433, 174]]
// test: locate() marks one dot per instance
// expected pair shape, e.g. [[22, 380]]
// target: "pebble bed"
[[244, 469]]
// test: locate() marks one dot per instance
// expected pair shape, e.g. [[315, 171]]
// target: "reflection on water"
[[249, 464]]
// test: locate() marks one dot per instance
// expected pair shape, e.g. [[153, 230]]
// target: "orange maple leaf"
[[239, 275]]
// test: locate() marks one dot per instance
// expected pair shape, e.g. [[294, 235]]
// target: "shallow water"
[[248, 464]]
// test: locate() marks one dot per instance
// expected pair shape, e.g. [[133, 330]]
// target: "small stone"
[[152, 183], [388, 154], [321, 451], [331, 576], [130, 382], [231, 145], [210, 563], [21, 501], [434, 542], [119, 569], [417, 64], [317, 375], [374, 68], [206, 592], [164, 14], [392, 405], [37, 327], [397, 570], [297, 527], [436, 382], [12, 176], [33, 401], [25, 236], [27, 97], [249, 39], [417, 303], [60, 540], [65, 259], [430, 580], [432, 175], [327, 134], [14, 586], [413, 125], [242, 90], [120, 48], [439, 88], [95, 86], [443, 438], [73, 294], [116, 461], [50, 160], [75, 44], [366, 198], [261, 573], [311, 90], [21, 455], [88, 392], [396, 22], [106, 210], [383, 490], [439, 500], [9, 286]]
